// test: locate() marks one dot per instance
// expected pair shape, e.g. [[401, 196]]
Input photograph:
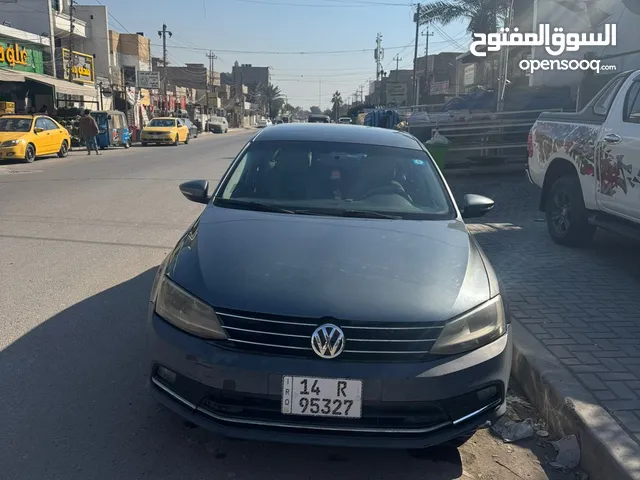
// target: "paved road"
[[79, 241]]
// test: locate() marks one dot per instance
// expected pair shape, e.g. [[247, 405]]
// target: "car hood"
[[5, 136], [158, 129], [345, 268]]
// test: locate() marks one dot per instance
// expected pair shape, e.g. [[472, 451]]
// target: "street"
[[80, 240]]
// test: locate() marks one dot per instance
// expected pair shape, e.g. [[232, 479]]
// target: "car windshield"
[[162, 122], [15, 124], [341, 179]]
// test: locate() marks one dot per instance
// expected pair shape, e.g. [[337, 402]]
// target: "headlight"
[[186, 312], [10, 143], [472, 329]]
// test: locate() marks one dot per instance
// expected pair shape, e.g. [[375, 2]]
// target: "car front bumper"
[[238, 394], [157, 139], [16, 151]]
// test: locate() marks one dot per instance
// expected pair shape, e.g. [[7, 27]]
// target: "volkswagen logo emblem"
[[327, 341]]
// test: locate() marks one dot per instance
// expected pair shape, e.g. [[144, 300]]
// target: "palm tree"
[[272, 98], [483, 15], [336, 102]]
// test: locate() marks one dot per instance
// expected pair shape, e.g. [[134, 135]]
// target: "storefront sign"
[[469, 74], [439, 88], [82, 69], [17, 56], [150, 80]]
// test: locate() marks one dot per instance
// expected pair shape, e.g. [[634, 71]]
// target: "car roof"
[[335, 132], [164, 118], [22, 117]]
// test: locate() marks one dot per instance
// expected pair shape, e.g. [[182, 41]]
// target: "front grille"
[[403, 416], [364, 341]]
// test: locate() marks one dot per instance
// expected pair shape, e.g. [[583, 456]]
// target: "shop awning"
[[62, 86], [10, 76]]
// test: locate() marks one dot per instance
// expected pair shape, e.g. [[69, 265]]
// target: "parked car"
[[27, 137], [193, 129], [218, 125], [346, 120], [588, 163], [369, 316], [165, 130], [263, 122]]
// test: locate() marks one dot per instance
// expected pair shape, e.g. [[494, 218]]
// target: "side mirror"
[[476, 206], [196, 191], [38, 130]]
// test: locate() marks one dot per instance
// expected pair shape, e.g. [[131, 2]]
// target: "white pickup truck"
[[588, 164]]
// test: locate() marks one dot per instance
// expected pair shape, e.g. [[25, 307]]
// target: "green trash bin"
[[438, 147]]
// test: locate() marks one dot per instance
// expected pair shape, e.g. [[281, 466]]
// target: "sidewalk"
[[576, 320]]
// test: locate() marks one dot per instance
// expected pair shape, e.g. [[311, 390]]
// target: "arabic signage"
[[469, 74], [20, 57], [82, 70], [149, 80], [547, 37], [396, 93], [439, 88]]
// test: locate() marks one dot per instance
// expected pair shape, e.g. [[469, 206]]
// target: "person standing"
[[88, 130]]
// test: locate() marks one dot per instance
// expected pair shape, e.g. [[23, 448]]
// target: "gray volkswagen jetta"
[[330, 293]]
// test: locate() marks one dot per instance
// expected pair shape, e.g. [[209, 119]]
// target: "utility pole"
[[426, 61], [415, 56], [163, 33], [379, 56], [320, 93], [397, 59], [211, 56], [362, 94], [72, 27]]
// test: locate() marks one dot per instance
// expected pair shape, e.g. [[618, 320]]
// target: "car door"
[[618, 180], [184, 130], [57, 134], [42, 139]]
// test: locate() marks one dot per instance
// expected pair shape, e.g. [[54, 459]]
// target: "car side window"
[[40, 123], [631, 112], [49, 124], [604, 101]]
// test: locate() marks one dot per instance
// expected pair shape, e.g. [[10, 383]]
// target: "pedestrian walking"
[[88, 130]]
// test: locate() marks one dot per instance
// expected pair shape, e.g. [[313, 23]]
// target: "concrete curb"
[[607, 451]]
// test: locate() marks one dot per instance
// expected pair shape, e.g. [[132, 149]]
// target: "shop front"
[[24, 79]]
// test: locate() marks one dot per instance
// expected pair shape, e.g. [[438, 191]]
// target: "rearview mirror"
[[196, 191], [38, 130], [476, 206]]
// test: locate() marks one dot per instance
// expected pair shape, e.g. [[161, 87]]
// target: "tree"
[[336, 101], [327, 112], [482, 15], [315, 110], [272, 99]]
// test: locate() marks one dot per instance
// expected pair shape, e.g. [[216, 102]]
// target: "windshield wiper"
[[349, 213], [262, 207]]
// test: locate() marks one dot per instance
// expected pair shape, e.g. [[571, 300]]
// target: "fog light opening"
[[167, 375], [486, 394]]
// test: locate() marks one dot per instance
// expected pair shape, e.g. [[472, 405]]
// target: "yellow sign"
[[12, 55], [82, 69]]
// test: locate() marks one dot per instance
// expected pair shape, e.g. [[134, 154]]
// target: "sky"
[[337, 36]]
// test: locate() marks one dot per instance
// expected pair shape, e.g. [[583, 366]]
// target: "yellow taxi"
[[26, 137], [165, 130]]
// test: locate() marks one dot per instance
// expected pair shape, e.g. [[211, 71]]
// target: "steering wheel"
[[393, 187]]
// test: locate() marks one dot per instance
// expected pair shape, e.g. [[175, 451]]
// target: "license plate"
[[322, 397]]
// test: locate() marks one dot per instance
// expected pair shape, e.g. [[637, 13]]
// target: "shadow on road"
[[74, 404]]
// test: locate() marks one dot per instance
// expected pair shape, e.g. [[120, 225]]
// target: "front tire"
[[127, 144], [30, 153], [64, 149], [566, 215], [176, 141], [186, 140]]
